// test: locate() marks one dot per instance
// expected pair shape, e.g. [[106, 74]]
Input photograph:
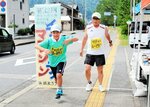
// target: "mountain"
[[90, 5]]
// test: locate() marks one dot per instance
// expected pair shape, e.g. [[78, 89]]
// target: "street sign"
[[115, 17], [107, 13], [128, 22]]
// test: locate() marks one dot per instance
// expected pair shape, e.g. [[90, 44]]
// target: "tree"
[[120, 8]]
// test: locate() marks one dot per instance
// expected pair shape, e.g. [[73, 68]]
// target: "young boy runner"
[[55, 47]]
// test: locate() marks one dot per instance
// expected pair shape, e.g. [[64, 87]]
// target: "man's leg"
[[100, 77], [100, 74], [88, 77], [88, 72]]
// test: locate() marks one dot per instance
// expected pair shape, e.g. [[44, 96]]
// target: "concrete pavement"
[[119, 86]]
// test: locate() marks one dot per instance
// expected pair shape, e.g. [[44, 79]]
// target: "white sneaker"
[[101, 88], [88, 87]]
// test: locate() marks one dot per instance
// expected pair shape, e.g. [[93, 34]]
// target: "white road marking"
[[24, 61], [15, 57], [13, 97], [17, 76], [108, 87], [121, 89]]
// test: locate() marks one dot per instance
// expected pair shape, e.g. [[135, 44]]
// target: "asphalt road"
[[15, 77]]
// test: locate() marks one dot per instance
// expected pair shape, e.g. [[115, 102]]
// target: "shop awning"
[[145, 4]]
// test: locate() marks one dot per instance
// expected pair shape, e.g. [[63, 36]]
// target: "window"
[[22, 1], [5, 34], [20, 5], [23, 20], [144, 27]]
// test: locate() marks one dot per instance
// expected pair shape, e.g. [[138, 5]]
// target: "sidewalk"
[[22, 40]]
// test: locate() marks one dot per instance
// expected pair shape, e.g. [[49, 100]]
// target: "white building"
[[14, 12]]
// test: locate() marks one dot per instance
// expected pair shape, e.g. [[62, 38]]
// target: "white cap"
[[56, 27], [96, 14]]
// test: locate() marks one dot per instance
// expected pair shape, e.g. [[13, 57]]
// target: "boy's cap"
[[96, 14], [56, 27]]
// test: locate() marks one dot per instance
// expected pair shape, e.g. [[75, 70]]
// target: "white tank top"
[[95, 40]]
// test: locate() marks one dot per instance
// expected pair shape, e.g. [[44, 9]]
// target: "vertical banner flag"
[[45, 16], [145, 3]]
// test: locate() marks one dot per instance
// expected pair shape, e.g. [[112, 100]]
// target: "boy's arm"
[[67, 41], [83, 42], [46, 51]]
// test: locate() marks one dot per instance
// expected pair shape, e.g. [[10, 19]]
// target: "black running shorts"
[[59, 68], [98, 59]]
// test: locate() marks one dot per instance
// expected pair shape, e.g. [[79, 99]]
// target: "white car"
[[145, 37]]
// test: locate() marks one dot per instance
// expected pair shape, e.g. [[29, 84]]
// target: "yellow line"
[[96, 98]]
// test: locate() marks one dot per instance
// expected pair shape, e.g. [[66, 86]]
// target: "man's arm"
[[83, 42], [108, 37]]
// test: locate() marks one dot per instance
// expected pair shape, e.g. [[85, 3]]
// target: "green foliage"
[[120, 8], [12, 26], [124, 29]]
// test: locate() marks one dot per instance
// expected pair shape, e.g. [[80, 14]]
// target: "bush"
[[124, 29], [24, 31], [21, 32], [28, 30]]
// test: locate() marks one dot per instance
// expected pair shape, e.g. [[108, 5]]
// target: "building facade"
[[14, 14]]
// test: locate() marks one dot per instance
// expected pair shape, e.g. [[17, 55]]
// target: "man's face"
[[56, 35], [95, 21]]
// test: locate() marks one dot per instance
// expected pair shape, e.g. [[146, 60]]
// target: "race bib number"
[[96, 43], [57, 51]]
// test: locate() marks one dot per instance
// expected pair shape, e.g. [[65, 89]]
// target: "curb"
[[19, 44]]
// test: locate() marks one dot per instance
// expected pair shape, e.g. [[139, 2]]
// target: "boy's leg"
[[59, 76], [59, 80], [54, 73]]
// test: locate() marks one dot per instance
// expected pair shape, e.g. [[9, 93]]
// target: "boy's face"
[[56, 35]]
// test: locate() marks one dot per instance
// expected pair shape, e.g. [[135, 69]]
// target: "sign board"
[[107, 13], [128, 22], [46, 15], [3, 6]]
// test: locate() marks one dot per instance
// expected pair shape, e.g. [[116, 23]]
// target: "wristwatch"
[[110, 41]]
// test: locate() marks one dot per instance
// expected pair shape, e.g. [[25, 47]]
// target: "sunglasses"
[[95, 18]]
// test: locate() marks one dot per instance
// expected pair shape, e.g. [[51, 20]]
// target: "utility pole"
[[72, 15], [85, 11], [133, 10], [131, 7], [47, 1]]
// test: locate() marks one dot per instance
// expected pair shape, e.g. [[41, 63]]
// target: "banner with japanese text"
[[46, 15]]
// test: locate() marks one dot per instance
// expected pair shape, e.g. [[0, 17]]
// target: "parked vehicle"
[[6, 42], [145, 37]]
